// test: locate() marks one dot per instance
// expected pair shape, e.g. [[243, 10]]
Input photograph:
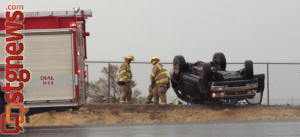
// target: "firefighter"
[[160, 81], [150, 96], [125, 78]]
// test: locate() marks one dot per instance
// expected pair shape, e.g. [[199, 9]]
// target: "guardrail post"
[[268, 92], [87, 77], [108, 92]]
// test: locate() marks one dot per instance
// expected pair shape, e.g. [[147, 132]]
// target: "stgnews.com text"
[[16, 74]]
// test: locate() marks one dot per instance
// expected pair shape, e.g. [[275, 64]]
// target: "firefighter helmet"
[[129, 57], [154, 60]]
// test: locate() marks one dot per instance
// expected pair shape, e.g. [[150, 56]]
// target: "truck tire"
[[248, 70], [205, 77], [220, 60], [75, 108], [2, 105], [261, 82], [206, 72], [179, 65]]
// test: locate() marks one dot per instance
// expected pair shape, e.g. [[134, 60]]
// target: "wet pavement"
[[265, 128]]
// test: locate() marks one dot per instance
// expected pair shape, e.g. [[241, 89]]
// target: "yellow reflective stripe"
[[127, 66], [163, 103], [123, 71], [122, 101], [158, 66], [162, 80], [152, 74], [165, 72], [128, 69], [123, 78]]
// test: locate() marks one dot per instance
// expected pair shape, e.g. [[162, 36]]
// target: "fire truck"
[[55, 54]]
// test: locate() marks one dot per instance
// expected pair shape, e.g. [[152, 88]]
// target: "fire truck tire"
[[75, 108], [2, 104]]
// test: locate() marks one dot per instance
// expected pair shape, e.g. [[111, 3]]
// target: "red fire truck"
[[55, 54]]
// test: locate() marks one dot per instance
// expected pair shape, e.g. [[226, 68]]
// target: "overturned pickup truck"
[[210, 82]]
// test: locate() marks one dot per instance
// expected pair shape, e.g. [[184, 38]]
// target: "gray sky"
[[264, 31]]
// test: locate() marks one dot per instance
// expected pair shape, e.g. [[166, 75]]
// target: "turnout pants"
[[150, 95], [160, 91], [126, 93]]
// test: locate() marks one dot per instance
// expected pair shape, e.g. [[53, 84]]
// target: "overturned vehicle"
[[210, 82]]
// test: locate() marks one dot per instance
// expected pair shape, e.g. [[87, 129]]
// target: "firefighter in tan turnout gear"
[[160, 81], [125, 78]]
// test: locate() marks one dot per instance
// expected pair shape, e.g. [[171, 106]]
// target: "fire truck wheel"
[[75, 108], [2, 105]]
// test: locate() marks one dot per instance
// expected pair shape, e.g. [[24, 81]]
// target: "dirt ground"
[[114, 114]]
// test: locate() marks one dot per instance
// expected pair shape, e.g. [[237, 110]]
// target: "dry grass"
[[114, 114]]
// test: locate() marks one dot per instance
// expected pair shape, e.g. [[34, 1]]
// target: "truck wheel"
[[2, 105], [205, 77], [261, 82], [220, 60], [248, 69], [75, 108], [179, 65], [206, 72]]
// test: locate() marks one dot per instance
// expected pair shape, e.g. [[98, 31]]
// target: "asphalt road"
[[274, 128]]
